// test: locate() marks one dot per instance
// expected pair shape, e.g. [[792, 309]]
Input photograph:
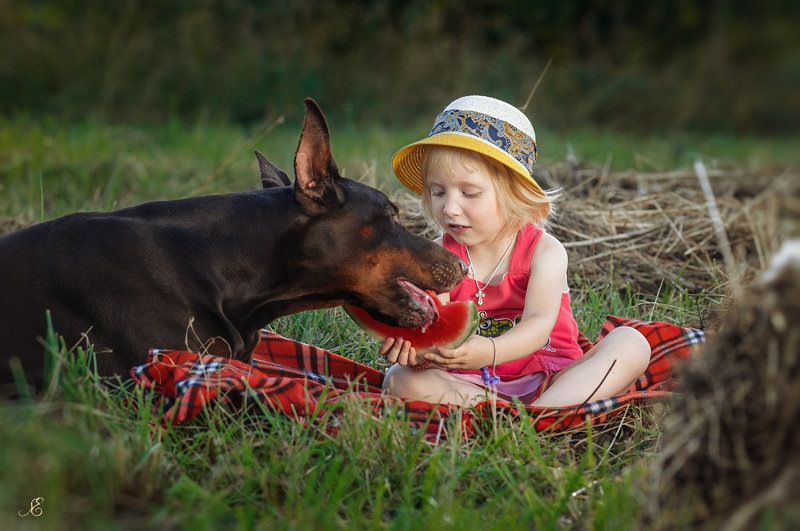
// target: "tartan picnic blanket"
[[307, 382]]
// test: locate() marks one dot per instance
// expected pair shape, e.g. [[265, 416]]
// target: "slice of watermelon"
[[454, 323]]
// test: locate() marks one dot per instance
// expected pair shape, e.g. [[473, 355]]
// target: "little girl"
[[474, 174]]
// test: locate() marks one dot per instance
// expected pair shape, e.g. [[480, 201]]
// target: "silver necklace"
[[480, 294]]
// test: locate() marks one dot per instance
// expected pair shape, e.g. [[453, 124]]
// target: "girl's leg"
[[574, 383], [433, 385]]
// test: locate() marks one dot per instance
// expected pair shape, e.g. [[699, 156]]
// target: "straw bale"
[[730, 458]]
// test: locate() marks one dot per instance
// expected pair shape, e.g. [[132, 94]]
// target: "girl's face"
[[464, 203]]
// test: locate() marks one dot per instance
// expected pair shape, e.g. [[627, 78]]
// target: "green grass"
[[50, 168], [90, 447], [92, 450], [624, 152]]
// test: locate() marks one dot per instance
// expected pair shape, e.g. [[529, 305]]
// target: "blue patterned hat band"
[[520, 145]]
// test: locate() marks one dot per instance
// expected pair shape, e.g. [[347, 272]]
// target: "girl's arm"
[[542, 302], [547, 283]]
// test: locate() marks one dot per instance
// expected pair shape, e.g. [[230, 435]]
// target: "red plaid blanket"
[[305, 382]]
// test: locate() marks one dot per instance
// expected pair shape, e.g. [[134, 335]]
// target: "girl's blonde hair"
[[520, 203]]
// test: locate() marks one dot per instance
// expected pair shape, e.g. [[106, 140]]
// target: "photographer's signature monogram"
[[36, 508]]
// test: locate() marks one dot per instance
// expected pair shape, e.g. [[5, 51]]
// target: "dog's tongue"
[[424, 299]]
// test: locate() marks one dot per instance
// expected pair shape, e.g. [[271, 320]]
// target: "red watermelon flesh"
[[454, 323]]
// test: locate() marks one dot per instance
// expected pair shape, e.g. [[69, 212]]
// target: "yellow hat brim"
[[407, 162]]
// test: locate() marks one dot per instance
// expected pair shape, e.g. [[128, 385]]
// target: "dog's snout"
[[458, 268], [464, 268], [446, 274]]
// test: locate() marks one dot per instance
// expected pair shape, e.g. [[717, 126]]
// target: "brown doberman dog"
[[207, 273]]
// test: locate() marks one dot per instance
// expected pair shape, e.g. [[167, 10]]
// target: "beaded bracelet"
[[493, 379]]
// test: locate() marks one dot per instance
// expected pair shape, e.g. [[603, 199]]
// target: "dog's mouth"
[[424, 310]]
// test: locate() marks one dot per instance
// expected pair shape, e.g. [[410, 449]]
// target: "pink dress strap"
[[504, 303]]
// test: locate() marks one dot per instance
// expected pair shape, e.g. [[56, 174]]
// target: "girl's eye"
[[437, 193], [469, 195]]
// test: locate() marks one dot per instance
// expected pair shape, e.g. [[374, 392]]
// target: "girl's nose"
[[451, 207]]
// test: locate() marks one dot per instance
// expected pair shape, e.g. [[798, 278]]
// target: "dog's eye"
[[393, 212]]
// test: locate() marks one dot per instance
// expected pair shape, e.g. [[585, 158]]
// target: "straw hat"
[[479, 123]]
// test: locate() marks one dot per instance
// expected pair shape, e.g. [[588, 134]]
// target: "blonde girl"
[[474, 172]]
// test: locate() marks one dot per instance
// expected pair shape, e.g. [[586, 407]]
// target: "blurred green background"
[[719, 66]]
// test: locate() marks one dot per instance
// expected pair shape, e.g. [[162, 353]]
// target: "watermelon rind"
[[474, 321]]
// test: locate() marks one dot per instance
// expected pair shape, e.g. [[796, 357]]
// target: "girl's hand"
[[398, 350], [473, 354]]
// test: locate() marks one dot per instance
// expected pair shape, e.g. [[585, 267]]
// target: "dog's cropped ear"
[[271, 175], [317, 187]]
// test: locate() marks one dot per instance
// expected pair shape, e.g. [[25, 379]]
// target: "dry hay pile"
[[8, 225], [731, 457], [653, 230]]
